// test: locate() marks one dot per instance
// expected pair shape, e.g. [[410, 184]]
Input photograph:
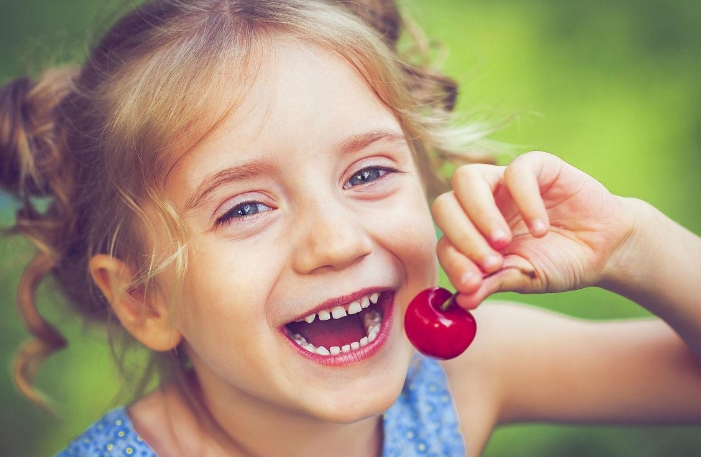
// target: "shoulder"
[[112, 435]]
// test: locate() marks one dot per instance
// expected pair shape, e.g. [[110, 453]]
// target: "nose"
[[329, 235]]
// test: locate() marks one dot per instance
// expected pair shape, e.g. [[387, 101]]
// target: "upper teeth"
[[372, 321], [338, 312]]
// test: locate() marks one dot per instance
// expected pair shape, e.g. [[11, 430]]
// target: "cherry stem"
[[446, 304], [530, 273]]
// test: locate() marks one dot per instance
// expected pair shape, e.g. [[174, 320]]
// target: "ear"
[[143, 314]]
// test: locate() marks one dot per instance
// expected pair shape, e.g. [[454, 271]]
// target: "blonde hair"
[[97, 141]]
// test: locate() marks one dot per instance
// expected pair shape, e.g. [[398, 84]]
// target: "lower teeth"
[[372, 321]]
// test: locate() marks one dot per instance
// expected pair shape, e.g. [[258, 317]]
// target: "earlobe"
[[145, 315]]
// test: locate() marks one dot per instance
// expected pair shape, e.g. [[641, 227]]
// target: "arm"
[[528, 364], [660, 268], [540, 225]]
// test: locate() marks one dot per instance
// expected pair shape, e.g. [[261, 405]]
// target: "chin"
[[365, 395], [351, 409]]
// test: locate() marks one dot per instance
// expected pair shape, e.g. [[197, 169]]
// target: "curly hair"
[[96, 140]]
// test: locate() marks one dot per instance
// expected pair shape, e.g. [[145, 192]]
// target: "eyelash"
[[384, 171], [235, 213]]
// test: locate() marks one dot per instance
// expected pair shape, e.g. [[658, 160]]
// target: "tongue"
[[333, 332]]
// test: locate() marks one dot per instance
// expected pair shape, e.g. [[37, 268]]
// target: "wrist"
[[629, 262]]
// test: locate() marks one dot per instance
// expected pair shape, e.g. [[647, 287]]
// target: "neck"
[[263, 437], [251, 427]]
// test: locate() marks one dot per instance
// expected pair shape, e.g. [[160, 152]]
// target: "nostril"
[[331, 243]]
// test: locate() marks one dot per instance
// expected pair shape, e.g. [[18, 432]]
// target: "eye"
[[367, 175], [242, 211]]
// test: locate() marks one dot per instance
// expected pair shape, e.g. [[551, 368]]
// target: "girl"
[[242, 184]]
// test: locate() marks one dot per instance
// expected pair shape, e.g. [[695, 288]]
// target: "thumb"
[[516, 275]]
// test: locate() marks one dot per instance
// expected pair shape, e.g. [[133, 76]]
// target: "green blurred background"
[[611, 86]]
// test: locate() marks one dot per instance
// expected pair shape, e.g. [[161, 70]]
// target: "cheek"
[[221, 316], [410, 235], [422, 263], [221, 296]]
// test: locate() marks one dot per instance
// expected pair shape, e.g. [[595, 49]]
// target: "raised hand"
[[536, 225]]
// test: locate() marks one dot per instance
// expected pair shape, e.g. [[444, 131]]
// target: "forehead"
[[292, 83], [298, 96]]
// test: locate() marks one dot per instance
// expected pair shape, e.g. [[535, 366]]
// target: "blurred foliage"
[[610, 86]]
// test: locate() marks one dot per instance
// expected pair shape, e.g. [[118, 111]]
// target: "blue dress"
[[422, 422]]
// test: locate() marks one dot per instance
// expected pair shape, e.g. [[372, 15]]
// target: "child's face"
[[307, 197]]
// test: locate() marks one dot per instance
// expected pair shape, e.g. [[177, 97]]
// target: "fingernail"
[[467, 302], [467, 279], [491, 262], [498, 235], [538, 226]]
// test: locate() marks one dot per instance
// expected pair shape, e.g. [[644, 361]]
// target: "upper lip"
[[340, 301]]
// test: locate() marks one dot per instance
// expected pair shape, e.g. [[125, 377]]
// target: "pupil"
[[247, 209], [366, 175]]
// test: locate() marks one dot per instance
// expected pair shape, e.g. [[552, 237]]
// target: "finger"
[[473, 300], [512, 278], [463, 235], [474, 186], [521, 178], [463, 274]]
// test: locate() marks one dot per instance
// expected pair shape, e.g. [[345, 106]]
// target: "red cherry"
[[436, 326]]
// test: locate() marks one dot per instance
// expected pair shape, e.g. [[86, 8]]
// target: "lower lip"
[[360, 354]]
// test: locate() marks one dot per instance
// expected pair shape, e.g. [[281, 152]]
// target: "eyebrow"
[[257, 167], [361, 141], [236, 173]]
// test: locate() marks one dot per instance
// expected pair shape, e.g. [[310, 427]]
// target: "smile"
[[354, 329]]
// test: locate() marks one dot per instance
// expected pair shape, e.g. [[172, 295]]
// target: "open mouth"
[[341, 329]]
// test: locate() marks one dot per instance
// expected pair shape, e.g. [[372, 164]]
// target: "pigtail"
[[84, 155], [34, 169], [381, 15], [45, 338], [437, 145], [428, 85]]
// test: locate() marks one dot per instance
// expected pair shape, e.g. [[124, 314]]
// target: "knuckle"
[[464, 173], [475, 175], [451, 260], [512, 170], [441, 204], [471, 245], [519, 167], [443, 245], [529, 158]]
